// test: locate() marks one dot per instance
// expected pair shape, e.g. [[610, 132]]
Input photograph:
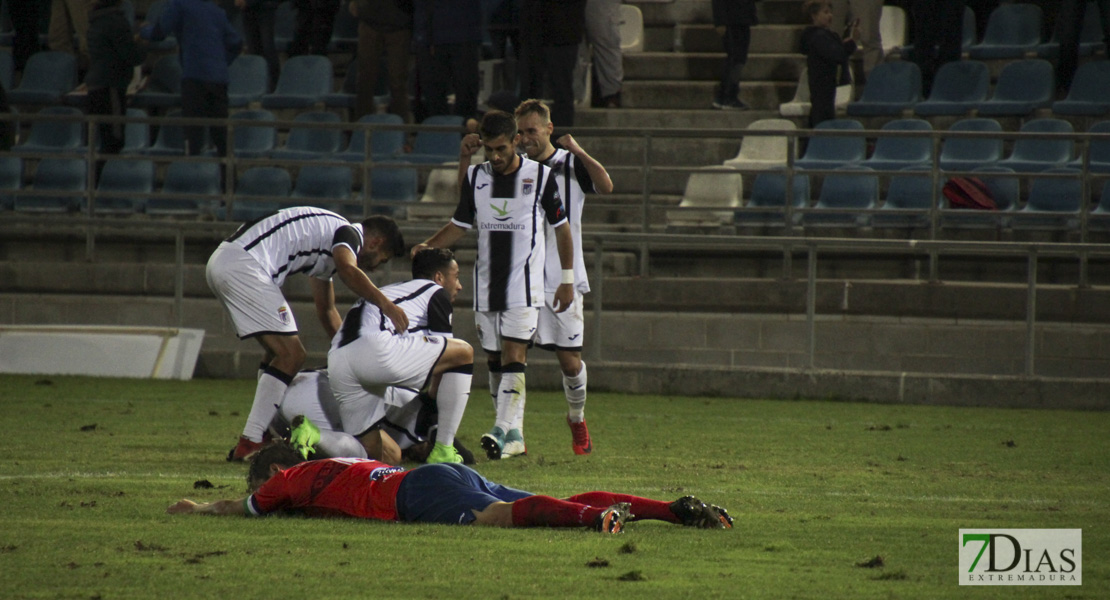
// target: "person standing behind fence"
[[208, 43], [937, 36], [447, 39], [70, 19], [550, 33], [384, 28], [826, 59], [315, 21], [733, 20], [113, 55], [868, 12], [1069, 24], [259, 17]]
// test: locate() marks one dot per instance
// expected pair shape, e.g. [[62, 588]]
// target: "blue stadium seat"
[[305, 143], [55, 136], [249, 80], [891, 88], [959, 87], [1013, 30], [7, 70], [64, 176], [1099, 218], [258, 190], [1052, 203], [344, 32], [285, 23], [1004, 187], [434, 147], [348, 88], [390, 185], [163, 89], [908, 200], [126, 176], [323, 186], [303, 83], [967, 38], [153, 13], [187, 178], [11, 180], [843, 196], [384, 145], [47, 77], [1099, 151], [252, 141], [136, 135], [1023, 86], [896, 153], [966, 154], [1089, 95], [1033, 155], [1090, 36], [768, 199], [170, 140], [834, 151]]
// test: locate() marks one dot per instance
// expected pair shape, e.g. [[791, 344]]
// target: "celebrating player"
[[506, 199], [443, 493], [246, 273]]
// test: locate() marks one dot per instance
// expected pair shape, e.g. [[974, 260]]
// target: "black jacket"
[[552, 22], [826, 57], [386, 16], [113, 53], [734, 12]]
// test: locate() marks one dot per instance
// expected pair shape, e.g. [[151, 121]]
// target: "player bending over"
[[441, 493]]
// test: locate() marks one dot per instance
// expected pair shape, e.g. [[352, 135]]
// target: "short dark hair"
[[386, 227], [497, 123], [280, 452], [430, 261]]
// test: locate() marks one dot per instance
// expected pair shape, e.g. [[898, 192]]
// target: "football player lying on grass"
[[448, 493]]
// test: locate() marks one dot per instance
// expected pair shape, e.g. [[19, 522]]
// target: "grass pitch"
[[818, 489]]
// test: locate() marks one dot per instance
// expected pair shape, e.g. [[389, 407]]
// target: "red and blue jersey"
[[353, 487]]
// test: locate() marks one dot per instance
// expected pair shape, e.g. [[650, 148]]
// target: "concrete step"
[[768, 38], [681, 95], [672, 152], [701, 117], [701, 11], [706, 66]]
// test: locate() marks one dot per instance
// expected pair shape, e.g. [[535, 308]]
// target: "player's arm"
[[346, 266], [564, 241], [323, 296], [602, 183], [219, 507], [467, 149], [444, 238]]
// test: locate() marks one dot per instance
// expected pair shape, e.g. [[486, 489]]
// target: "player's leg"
[[312, 414], [454, 369], [517, 328], [289, 357], [687, 510], [545, 511], [379, 446]]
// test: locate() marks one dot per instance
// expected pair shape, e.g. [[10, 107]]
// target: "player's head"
[[270, 460], [438, 265], [818, 11], [533, 123], [382, 241], [499, 140]]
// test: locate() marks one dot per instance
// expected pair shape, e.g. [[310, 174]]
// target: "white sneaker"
[[514, 444]]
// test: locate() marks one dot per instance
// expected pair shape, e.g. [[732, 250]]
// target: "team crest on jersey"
[[527, 187], [283, 314], [431, 340]]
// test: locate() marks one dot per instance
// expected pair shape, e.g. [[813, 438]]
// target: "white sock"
[[494, 387], [575, 389], [267, 397], [510, 399], [336, 444], [451, 398]]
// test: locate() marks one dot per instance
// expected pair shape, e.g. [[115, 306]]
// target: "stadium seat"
[[344, 32], [308, 143], [631, 28], [47, 77], [326, 187], [11, 180], [65, 176], [762, 151], [1090, 36], [249, 80], [123, 176], [153, 13], [170, 140], [285, 23], [710, 197], [1023, 86], [891, 88], [252, 141], [768, 199], [7, 69], [967, 38], [436, 146], [834, 151], [390, 185], [892, 28], [1089, 95], [1033, 155], [800, 105], [384, 145], [201, 179], [966, 154], [1052, 203], [843, 197], [908, 200], [256, 191], [136, 135], [1099, 217], [896, 153], [1013, 30], [959, 87], [163, 89], [55, 136], [303, 83], [1005, 188], [1099, 151], [348, 89]]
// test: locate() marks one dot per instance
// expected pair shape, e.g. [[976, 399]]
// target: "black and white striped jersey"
[[509, 212], [426, 303], [574, 183], [298, 240]]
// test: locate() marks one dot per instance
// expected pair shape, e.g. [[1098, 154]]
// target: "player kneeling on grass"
[[440, 493]]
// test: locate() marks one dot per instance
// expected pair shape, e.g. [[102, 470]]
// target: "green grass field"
[[817, 488]]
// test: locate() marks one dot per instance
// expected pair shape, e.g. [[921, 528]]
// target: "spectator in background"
[[826, 59], [550, 33], [7, 128], [315, 20], [447, 38], [258, 27], [208, 43], [938, 34], [384, 29], [603, 22], [733, 20], [26, 16], [113, 56], [1069, 24], [69, 19], [868, 12], [983, 9]]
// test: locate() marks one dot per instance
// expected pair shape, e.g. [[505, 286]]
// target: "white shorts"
[[361, 371], [561, 331], [252, 299], [514, 324]]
